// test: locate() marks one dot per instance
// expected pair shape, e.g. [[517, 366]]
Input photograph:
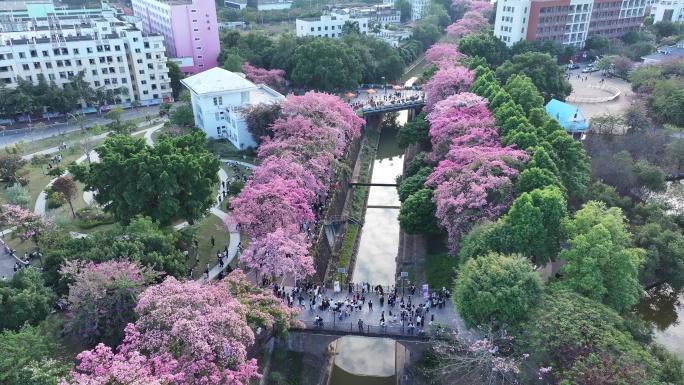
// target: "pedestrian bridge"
[[315, 339], [381, 109]]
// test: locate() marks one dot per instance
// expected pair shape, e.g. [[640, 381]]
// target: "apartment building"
[[329, 25], [36, 38], [567, 22], [376, 13], [262, 5], [218, 98], [419, 8], [670, 10], [189, 28]]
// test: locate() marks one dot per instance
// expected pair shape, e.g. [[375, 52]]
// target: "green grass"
[[439, 270], [207, 253], [347, 246]]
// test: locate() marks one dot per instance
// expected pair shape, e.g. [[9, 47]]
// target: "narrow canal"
[[364, 361], [379, 243]]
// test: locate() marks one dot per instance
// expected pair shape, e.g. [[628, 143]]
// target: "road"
[[11, 136]]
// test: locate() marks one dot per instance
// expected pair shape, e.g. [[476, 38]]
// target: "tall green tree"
[[545, 73], [175, 75], [173, 180], [602, 264], [326, 65], [24, 299], [486, 46], [533, 224], [496, 289], [524, 92], [417, 131], [417, 213]]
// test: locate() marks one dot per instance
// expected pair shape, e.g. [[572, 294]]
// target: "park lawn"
[[207, 253]]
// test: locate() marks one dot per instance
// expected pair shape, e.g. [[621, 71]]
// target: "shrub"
[[234, 188], [39, 159], [92, 217], [53, 198], [18, 195], [56, 171]]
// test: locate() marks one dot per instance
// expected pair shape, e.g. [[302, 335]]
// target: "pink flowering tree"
[[261, 208], [284, 251], [443, 52], [481, 6], [472, 185], [272, 78], [472, 21], [464, 127], [188, 333], [27, 224], [447, 81], [264, 308], [288, 168], [324, 110], [102, 298]]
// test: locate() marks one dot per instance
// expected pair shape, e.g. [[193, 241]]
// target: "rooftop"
[[667, 52], [217, 80], [570, 117]]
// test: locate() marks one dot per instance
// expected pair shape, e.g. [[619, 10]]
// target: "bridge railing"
[[348, 327], [394, 106]]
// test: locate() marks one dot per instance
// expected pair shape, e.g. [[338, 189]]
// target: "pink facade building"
[[189, 27]]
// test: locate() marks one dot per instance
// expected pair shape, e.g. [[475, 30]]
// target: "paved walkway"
[[446, 316]]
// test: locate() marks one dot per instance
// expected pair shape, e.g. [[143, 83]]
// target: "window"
[[36, 65], [198, 48], [196, 30], [201, 66], [145, 92], [105, 71], [141, 72], [119, 59], [200, 56], [143, 82], [51, 76], [117, 48], [62, 75], [75, 51], [67, 63], [216, 116], [319, 28], [135, 39], [22, 55], [48, 65], [89, 49], [107, 82], [218, 100], [78, 63], [94, 72], [326, 27], [29, 78], [312, 29], [124, 80], [194, 21], [193, 10], [97, 83], [91, 61], [34, 53], [25, 67], [122, 70], [46, 54], [198, 39], [139, 61]]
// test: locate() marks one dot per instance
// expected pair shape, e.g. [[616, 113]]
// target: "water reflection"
[[366, 356], [665, 308], [375, 261]]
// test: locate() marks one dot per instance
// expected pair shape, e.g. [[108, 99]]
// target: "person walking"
[[370, 305], [360, 325]]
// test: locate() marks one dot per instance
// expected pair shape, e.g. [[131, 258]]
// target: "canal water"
[[665, 308], [379, 243], [366, 361]]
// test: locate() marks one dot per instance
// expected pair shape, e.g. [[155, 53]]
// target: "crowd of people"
[[394, 97]]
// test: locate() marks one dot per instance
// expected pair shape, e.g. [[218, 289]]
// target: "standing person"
[[360, 325], [213, 242], [370, 305]]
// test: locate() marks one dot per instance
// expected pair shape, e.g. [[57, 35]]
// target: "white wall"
[[328, 26], [512, 17]]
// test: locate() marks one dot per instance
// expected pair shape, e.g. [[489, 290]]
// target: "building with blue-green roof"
[[570, 117]]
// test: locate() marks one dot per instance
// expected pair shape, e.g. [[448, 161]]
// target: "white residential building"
[[218, 98], [376, 13], [262, 5], [419, 8], [111, 53], [672, 10], [329, 25]]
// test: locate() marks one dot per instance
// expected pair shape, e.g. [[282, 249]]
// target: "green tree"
[[533, 224], [566, 327], [602, 264], [675, 153], [484, 45], [599, 45], [232, 62], [417, 213], [496, 289], [175, 76], [481, 240], [546, 75], [524, 92], [326, 65], [118, 124], [414, 132], [173, 180], [410, 185], [24, 299], [18, 195], [667, 101], [351, 27], [536, 178], [10, 164], [427, 31], [21, 350], [405, 8], [573, 163], [182, 116]]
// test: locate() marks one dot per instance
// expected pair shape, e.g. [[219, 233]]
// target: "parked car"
[[589, 70], [573, 66]]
